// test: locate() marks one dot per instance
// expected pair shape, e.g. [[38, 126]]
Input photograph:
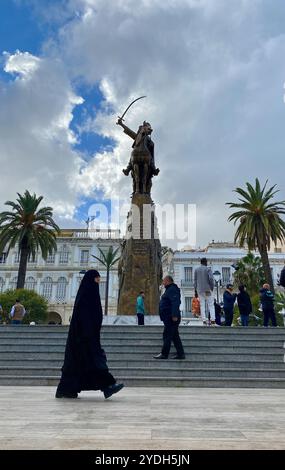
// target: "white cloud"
[[21, 63], [35, 115], [213, 73]]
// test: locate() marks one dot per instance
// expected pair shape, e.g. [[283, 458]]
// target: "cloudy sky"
[[213, 72]]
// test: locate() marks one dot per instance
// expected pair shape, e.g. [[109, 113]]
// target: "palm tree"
[[259, 221], [29, 227], [249, 271], [108, 260]]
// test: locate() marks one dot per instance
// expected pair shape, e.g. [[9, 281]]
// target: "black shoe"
[[160, 356], [66, 395], [178, 357], [109, 391]]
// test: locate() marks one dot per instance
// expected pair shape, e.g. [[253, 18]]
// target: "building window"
[[47, 288], [3, 258], [17, 257], [105, 251], [188, 304], [30, 283], [102, 289], [50, 259], [13, 283], [188, 274], [226, 275], [63, 255], [61, 289], [84, 257], [32, 259], [2, 284]]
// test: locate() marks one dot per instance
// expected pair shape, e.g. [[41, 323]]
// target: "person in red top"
[[196, 306]]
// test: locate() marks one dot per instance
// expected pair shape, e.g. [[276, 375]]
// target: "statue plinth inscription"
[[140, 266]]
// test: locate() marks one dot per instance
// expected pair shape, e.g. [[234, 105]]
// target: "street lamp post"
[[217, 278]]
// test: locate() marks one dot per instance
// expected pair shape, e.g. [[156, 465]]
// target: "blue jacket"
[[266, 298], [169, 303], [140, 305], [229, 300]]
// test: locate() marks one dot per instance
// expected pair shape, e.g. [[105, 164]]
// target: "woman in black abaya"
[[85, 363]]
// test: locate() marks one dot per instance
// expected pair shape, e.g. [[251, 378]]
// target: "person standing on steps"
[[218, 312], [282, 278], [17, 313], [267, 303], [229, 299], [204, 286], [195, 306], [140, 308], [169, 313], [85, 363], [244, 305]]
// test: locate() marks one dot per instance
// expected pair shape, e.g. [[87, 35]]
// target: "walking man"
[[170, 315], [17, 313], [140, 308], [204, 286]]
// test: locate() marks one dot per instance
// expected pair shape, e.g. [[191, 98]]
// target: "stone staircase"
[[216, 357]]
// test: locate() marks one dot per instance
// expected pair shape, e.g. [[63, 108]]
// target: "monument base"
[[140, 266]]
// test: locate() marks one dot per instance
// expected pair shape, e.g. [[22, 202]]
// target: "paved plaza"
[[143, 418]]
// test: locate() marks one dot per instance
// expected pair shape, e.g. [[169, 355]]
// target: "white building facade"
[[57, 278], [221, 257]]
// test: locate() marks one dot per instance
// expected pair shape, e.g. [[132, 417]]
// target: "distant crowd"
[[214, 313]]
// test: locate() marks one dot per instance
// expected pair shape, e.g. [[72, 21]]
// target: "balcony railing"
[[187, 283]]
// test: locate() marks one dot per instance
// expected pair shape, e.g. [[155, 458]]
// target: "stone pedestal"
[[140, 264]]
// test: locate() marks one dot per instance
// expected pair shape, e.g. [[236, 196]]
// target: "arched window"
[[47, 288], [13, 283], [30, 283], [2, 284], [61, 289]]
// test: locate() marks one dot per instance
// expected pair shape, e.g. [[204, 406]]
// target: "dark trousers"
[[244, 319], [140, 318], [16, 322], [171, 334], [269, 314], [229, 316], [218, 318]]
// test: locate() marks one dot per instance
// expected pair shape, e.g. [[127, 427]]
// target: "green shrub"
[[36, 306]]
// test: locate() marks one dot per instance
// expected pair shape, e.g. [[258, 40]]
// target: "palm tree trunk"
[[266, 266], [22, 266], [107, 292]]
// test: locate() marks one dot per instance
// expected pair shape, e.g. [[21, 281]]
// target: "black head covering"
[[87, 312]]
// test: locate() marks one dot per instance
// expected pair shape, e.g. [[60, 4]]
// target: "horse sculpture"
[[141, 164]]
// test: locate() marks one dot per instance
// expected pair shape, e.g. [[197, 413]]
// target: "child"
[[196, 306], [267, 302]]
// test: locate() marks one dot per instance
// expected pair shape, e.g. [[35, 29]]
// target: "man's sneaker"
[[109, 391], [178, 357], [160, 356], [65, 395]]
